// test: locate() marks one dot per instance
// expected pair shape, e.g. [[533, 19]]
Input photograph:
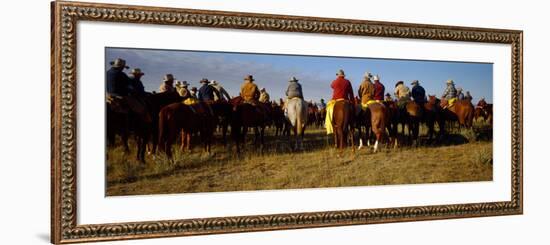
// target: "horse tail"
[[378, 118], [470, 116]]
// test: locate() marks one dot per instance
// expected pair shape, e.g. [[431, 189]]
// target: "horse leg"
[[243, 136], [183, 140], [351, 133], [360, 136], [256, 135], [188, 136], [262, 131], [295, 130], [224, 132], [376, 142]]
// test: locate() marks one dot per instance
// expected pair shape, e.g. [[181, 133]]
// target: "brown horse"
[[130, 114], [394, 118], [413, 118], [312, 114], [433, 114], [461, 111], [379, 121], [223, 111], [176, 117], [483, 110], [321, 117], [279, 119], [155, 103], [247, 115], [342, 123]]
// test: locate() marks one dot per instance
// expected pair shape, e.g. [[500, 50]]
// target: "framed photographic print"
[[175, 122]]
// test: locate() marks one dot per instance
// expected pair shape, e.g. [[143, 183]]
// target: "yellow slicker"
[[366, 105], [328, 117], [190, 101], [451, 102]]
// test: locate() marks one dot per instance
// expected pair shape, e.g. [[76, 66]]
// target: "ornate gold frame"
[[65, 15]]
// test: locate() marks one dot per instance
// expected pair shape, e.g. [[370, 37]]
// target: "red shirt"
[[378, 90], [341, 88]]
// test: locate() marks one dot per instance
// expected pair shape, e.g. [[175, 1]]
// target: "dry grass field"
[[464, 156]]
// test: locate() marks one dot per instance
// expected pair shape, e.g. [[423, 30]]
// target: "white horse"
[[297, 115]]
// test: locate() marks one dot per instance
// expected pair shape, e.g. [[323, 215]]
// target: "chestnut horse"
[[342, 123], [176, 117], [379, 120], [461, 111]]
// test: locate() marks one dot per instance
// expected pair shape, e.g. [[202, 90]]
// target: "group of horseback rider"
[[120, 86], [124, 90], [371, 90]]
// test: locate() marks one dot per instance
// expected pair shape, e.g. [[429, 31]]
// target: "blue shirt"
[[206, 93], [117, 82], [418, 93]]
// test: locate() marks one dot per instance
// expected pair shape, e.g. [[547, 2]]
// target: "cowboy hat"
[[194, 89], [263, 89], [204, 80], [367, 75], [182, 84], [450, 81], [249, 78], [340, 73], [414, 82], [168, 77], [376, 78], [293, 79], [119, 63], [137, 71], [214, 82]]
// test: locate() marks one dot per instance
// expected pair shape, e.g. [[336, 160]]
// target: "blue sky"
[[315, 73]]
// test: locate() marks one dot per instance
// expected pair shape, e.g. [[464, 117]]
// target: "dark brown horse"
[[178, 117], [312, 114], [155, 103], [342, 123], [413, 118], [223, 111], [281, 123], [126, 115], [433, 114], [246, 115], [461, 111], [321, 117]]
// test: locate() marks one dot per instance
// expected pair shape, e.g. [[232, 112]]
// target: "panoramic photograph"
[[191, 121]]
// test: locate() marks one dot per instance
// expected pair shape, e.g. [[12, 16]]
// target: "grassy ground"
[[463, 157]]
